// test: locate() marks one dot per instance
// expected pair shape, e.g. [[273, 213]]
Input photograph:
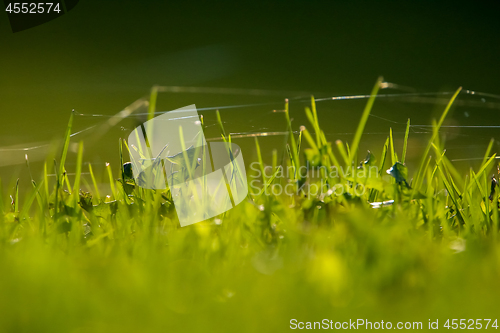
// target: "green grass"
[[81, 262]]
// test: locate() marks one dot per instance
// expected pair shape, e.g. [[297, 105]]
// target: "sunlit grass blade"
[[405, 142], [67, 137], [310, 140], [221, 125], [383, 156], [391, 147], [435, 133], [111, 181], [66, 181], [295, 156], [488, 151], [364, 119], [122, 170], [94, 182], [78, 173], [152, 102]]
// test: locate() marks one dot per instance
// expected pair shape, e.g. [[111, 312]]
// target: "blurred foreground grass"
[[78, 262]]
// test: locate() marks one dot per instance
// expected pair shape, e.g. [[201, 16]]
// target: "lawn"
[[394, 245]]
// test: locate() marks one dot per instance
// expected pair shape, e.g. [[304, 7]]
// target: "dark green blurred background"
[[103, 55]]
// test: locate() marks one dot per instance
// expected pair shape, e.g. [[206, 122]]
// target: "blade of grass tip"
[[67, 137], [488, 151], [364, 119], [28, 165], [486, 165], [131, 156], [393, 156], [312, 120], [152, 102], [434, 135], [139, 144], [94, 182], [295, 159], [122, 170], [126, 147], [111, 180], [76, 188], [295, 156], [405, 142], [309, 139], [316, 121], [299, 141], [383, 156], [221, 126], [483, 169]]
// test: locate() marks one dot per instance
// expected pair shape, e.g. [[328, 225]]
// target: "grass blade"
[[64, 153], [364, 119], [152, 102], [94, 182], [76, 187], [434, 136], [405, 142]]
